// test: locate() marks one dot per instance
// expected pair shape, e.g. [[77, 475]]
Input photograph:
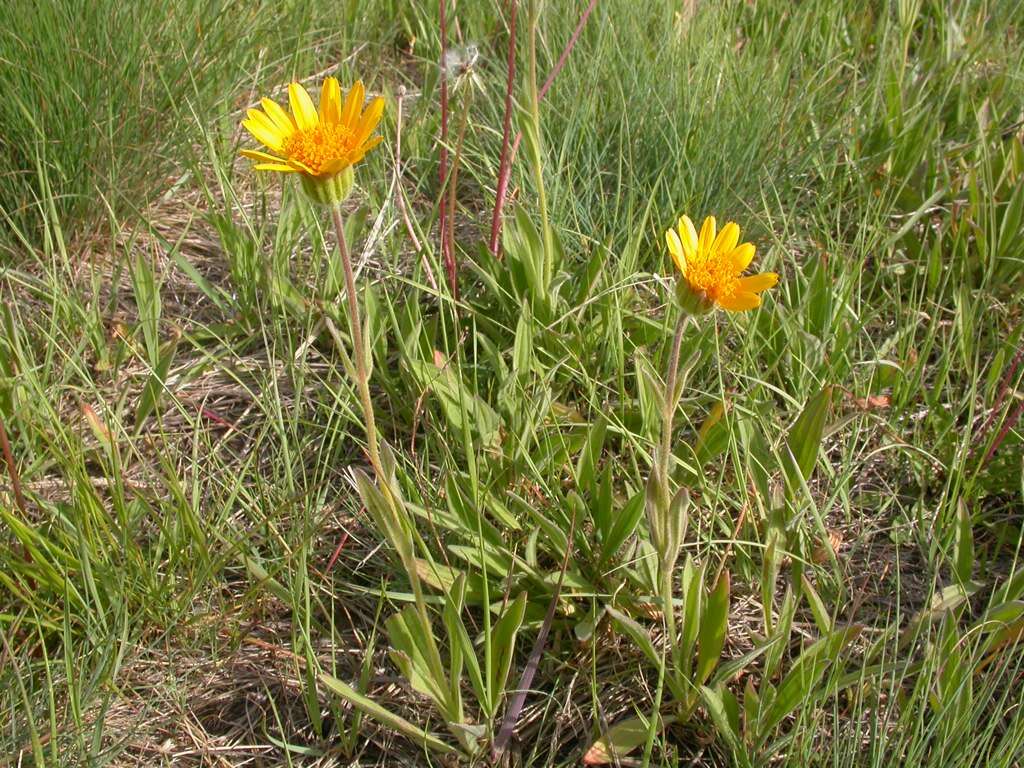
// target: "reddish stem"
[[19, 497], [337, 551], [568, 49], [1011, 421], [1004, 390], [501, 193], [12, 470], [400, 194], [449, 260], [505, 165]]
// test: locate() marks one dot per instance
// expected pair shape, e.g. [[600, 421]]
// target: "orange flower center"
[[712, 275], [316, 147]]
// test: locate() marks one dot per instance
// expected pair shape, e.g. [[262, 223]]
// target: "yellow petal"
[[727, 238], [740, 301], [359, 153], [758, 283], [371, 142], [261, 133], [707, 236], [282, 167], [258, 117], [281, 119], [675, 247], [336, 165], [330, 101], [263, 157], [369, 120], [353, 104], [302, 107], [688, 237], [741, 256], [300, 167]]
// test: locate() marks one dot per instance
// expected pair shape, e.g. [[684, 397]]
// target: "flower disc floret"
[[321, 144], [711, 266]]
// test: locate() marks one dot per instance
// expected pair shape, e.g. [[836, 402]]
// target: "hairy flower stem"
[[666, 565], [671, 400], [356, 327], [362, 372]]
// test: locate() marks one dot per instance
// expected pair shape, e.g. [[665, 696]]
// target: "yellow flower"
[[319, 145], [711, 265]]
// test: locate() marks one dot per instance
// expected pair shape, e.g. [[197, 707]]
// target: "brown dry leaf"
[[822, 554], [872, 402]]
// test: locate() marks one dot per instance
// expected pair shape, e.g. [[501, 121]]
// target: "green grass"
[[191, 559]]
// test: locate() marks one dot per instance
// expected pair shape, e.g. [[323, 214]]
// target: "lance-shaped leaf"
[[383, 716], [804, 439], [714, 626]]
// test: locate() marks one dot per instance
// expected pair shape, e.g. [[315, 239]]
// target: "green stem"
[[356, 327], [667, 563], [671, 400], [363, 385]]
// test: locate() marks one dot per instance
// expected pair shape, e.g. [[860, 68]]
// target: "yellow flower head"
[[711, 265], [319, 145]]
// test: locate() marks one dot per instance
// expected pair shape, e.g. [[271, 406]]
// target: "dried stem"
[[518, 699], [453, 179], [400, 192], [1011, 422]]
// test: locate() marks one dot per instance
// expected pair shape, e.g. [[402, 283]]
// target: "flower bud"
[[690, 300], [329, 190]]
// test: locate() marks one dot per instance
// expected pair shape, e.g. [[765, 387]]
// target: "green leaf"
[[713, 437], [461, 406], [149, 305], [964, 564], [623, 526], [721, 717], [804, 439], [591, 454], [692, 590], [444, 578], [822, 616], [155, 384], [411, 655], [259, 573], [503, 639], [780, 635], [714, 625], [386, 517], [462, 651], [619, 740], [383, 716], [640, 636], [602, 505], [522, 349], [804, 677]]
